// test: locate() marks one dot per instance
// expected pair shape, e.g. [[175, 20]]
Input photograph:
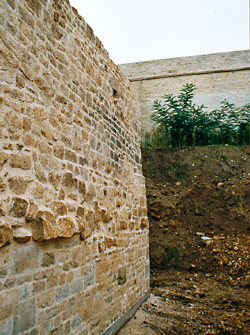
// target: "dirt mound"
[[199, 214]]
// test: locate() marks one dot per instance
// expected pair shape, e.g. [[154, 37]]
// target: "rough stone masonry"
[[73, 226]]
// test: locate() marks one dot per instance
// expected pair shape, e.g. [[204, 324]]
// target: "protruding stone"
[[44, 227], [65, 227], [144, 223], [21, 235], [18, 207], [84, 228], [6, 234]]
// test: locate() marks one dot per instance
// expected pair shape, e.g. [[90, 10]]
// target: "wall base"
[[118, 324]]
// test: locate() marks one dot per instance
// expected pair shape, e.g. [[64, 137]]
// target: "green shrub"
[[180, 123]]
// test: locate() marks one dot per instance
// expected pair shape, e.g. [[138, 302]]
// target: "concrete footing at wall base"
[[119, 323]]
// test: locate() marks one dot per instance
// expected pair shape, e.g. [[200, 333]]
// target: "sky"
[[141, 30]]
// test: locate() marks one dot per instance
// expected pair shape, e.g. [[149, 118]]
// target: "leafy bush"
[[181, 123]]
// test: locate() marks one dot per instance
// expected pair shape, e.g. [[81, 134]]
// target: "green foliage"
[[171, 256], [181, 123]]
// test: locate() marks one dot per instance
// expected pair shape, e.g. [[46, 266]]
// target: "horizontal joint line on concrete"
[[246, 68]]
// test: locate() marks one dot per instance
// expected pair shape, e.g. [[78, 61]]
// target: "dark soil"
[[199, 214]]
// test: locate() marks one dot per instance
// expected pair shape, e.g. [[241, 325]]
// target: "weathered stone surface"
[[24, 316], [20, 161], [122, 275], [48, 259], [62, 293], [6, 234], [2, 185], [18, 185], [144, 223], [89, 275], [2, 208], [5, 330], [54, 179], [18, 207], [84, 228], [65, 227], [32, 210], [24, 259], [3, 158], [44, 227], [21, 235], [80, 212], [69, 181], [59, 208], [46, 299]]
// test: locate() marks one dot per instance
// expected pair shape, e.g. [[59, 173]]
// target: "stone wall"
[[216, 76], [73, 226]]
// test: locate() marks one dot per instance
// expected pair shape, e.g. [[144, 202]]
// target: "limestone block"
[[54, 179], [65, 227], [122, 275], [89, 275], [6, 234], [2, 208], [108, 216], [84, 228], [144, 223], [110, 242], [32, 210], [48, 259], [21, 235], [24, 316], [3, 158], [69, 181], [18, 208], [20, 161], [18, 185], [2, 185], [59, 208], [44, 227]]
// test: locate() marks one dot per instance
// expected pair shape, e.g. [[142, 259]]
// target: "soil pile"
[[199, 214]]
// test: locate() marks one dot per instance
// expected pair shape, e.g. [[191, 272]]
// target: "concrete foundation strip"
[[119, 323]]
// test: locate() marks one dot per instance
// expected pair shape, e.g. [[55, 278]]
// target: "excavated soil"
[[199, 214]]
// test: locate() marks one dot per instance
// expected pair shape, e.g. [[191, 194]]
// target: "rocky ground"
[[199, 213]]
